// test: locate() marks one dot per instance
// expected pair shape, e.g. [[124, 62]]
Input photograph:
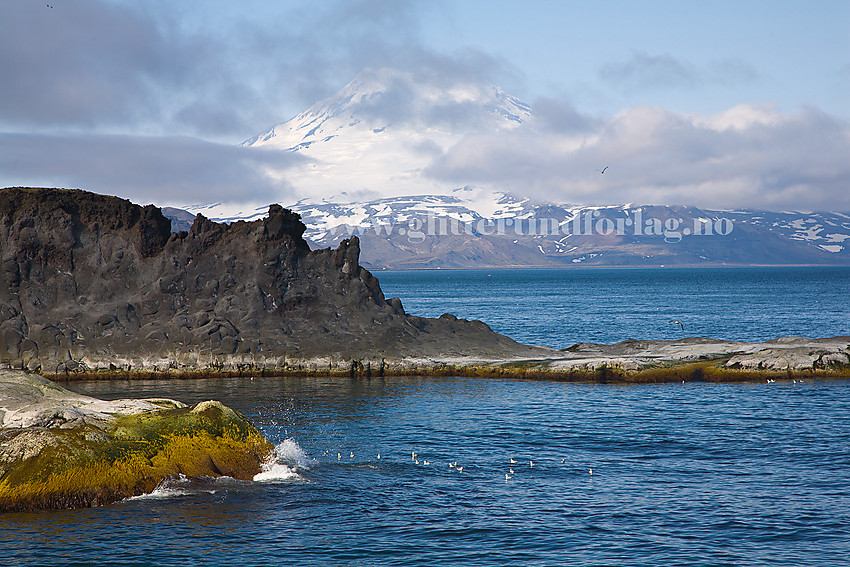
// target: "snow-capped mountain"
[[389, 101], [377, 135], [366, 153]]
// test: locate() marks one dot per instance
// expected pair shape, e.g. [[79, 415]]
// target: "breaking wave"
[[286, 465]]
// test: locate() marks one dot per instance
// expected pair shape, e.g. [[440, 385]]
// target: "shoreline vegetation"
[[686, 372], [627, 362]]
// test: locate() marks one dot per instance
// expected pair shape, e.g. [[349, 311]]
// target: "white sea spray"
[[288, 459]]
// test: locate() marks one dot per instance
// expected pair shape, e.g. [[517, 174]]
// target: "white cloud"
[[744, 157], [163, 170], [644, 71]]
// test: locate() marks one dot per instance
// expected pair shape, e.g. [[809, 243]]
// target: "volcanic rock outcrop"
[[92, 282]]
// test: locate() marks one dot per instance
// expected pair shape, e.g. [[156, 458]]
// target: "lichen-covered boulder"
[[62, 450]]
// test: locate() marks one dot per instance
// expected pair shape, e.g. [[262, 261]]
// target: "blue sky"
[[601, 56], [149, 99], [687, 55]]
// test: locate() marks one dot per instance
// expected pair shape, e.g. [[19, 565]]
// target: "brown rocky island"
[[95, 286]]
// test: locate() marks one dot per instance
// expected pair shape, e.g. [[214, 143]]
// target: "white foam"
[[276, 472], [167, 488], [289, 457]]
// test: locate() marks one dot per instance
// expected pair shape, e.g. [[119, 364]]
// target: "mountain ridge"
[[448, 231]]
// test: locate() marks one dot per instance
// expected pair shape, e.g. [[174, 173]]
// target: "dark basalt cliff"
[[96, 282]]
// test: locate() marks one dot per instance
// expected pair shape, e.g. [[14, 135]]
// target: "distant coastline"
[[619, 267]]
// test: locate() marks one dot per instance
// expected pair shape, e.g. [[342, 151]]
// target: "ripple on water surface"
[[413, 472]]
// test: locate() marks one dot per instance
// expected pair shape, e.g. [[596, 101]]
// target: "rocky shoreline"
[[90, 283], [693, 359], [95, 286], [827, 356]]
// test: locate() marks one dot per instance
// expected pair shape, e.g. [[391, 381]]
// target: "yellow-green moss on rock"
[[127, 455]]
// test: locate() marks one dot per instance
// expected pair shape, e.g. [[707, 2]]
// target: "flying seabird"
[[602, 170], [678, 323]]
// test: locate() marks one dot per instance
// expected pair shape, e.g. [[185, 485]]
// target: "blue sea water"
[[682, 474], [559, 308]]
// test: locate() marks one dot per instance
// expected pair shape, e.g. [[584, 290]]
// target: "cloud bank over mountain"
[[150, 100], [748, 156], [394, 132], [158, 169]]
